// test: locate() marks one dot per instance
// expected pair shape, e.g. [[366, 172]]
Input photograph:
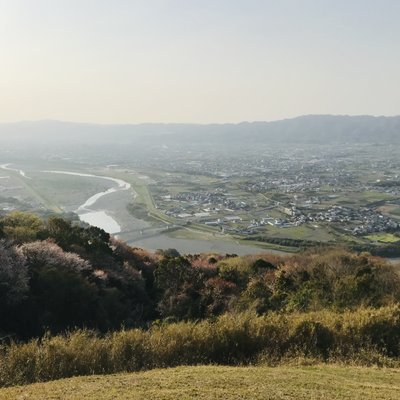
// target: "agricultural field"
[[384, 238]]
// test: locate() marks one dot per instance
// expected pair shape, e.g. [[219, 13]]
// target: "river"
[[100, 218]]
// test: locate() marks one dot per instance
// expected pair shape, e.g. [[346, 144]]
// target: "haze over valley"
[[231, 188]]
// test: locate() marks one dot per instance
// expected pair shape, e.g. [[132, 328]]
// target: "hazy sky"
[[197, 60]]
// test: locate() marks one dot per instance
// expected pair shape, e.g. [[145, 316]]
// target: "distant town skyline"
[[121, 61]]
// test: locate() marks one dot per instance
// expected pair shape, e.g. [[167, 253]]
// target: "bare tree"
[[13, 274]]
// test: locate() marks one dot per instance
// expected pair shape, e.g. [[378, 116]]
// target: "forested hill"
[[116, 308], [57, 276], [304, 129]]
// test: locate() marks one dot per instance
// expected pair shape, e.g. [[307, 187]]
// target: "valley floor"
[[212, 382]]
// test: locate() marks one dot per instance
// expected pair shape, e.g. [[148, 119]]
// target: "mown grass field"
[[210, 382]]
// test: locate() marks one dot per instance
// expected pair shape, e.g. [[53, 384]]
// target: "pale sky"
[[133, 61]]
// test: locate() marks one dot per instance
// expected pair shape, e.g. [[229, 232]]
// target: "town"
[[312, 193]]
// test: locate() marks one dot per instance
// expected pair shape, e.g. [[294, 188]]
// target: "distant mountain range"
[[304, 129]]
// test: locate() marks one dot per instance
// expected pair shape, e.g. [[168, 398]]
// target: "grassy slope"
[[317, 382]]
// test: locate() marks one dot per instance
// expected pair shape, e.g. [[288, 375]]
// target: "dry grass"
[[211, 382], [365, 337]]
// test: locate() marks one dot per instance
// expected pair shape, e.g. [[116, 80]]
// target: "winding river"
[[85, 211], [134, 231]]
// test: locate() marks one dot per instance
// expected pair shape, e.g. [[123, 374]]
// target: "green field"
[[359, 198], [383, 237], [297, 383]]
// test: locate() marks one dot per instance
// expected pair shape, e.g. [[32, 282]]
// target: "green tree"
[[22, 227]]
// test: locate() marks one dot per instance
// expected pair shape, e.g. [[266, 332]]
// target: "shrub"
[[312, 338], [364, 336], [21, 227]]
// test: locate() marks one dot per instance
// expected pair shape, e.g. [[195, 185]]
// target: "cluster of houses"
[[216, 209], [202, 206], [359, 221]]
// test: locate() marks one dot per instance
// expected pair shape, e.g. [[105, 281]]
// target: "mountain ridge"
[[302, 129]]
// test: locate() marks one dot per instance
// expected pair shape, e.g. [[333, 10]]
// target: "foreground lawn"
[[317, 382]]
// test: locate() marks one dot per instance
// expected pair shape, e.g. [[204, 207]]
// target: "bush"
[[21, 227], [364, 336], [312, 338]]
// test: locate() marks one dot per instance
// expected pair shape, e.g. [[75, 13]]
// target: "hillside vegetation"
[[363, 337], [57, 276], [75, 301], [209, 382]]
